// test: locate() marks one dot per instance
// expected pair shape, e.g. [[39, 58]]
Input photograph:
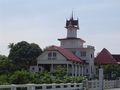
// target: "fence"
[[54, 86], [108, 84], [89, 85]]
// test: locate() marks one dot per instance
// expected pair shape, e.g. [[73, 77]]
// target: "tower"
[[71, 40], [76, 45], [72, 26]]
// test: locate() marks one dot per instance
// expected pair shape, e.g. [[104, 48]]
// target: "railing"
[[108, 84], [54, 86], [89, 85]]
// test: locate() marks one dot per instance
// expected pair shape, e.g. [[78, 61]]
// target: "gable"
[[44, 58]]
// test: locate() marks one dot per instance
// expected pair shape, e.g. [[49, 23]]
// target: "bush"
[[21, 77], [46, 77], [4, 79]]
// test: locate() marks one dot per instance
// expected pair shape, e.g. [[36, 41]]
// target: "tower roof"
[[72, 23], [105, 57]]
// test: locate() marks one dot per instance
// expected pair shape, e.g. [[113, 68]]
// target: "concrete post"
[[101, 81], [13, 87], [30, 87]]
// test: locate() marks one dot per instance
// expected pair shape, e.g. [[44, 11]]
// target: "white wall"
[[72, 33], [89, 50], [71, 43]]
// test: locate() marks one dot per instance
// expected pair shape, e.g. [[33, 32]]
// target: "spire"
[[71, 16]]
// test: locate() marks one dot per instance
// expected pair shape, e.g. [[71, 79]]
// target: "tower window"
[[91, 55], [86, 70], [83, 53]]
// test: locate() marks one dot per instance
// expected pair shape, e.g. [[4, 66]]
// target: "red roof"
[[72, 39], [104, 57], [116, 57], [66, 53]]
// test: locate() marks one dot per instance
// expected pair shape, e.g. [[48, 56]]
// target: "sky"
[[43, 21]]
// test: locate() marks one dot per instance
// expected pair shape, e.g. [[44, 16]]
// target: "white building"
[[77, 58]]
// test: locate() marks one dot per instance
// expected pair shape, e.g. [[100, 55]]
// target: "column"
[[75, 69], [79, 70], [67, 69], [51, 68], [82, 71], [72, 69]]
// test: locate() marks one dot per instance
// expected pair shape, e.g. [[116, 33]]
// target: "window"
[[39, 69], [49, 55], [83, 53], [33, 68], [91, 55], [86, 70], [52, 56]]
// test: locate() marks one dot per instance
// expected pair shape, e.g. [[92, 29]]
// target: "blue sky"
[[43, 21]]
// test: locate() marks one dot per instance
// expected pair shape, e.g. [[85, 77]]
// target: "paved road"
[[114, 89]]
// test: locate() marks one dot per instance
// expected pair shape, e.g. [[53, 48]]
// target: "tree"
[[5, 65], [10, 45], [111, 71], [24, 54]]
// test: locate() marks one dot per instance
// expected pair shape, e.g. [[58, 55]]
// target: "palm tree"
[[11, 45]]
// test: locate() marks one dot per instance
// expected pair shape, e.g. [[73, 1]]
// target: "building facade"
[[77, 58]]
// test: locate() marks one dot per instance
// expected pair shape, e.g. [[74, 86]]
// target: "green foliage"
[[111, 71], [46, 77], [24, 77], [5, 65], [24, 54], [68, 79], [11, 74], [4, 79], [72, 79], [21, 77], [60, 71]]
